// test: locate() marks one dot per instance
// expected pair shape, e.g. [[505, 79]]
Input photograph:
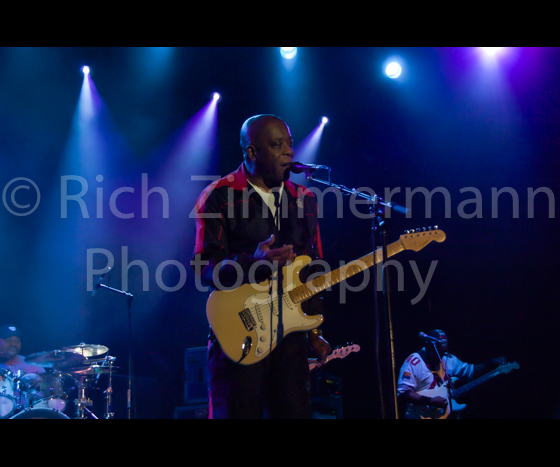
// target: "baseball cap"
[[9, 330]]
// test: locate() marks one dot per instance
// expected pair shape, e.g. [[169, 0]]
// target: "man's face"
[[10, 347], [441, 346], [273, 151]]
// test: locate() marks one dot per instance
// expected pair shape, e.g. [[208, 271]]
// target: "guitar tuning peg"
[[406, 232], [424, 229], [417, 230], [430, 228], [435, 227]]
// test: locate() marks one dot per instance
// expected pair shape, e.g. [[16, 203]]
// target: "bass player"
[[431, 368]]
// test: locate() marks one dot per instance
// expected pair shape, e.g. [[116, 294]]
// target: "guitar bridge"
[[248, 320]]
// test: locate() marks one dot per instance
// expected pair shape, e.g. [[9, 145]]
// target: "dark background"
[[452, 121]]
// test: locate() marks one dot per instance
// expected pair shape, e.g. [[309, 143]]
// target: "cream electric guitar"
[[338, 353], [415, 411], [245, 320]]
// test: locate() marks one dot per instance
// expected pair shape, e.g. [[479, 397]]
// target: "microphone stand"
[[129, 298], [446, 377], [377, 209]]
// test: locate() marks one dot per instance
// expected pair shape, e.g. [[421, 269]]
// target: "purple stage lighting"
[[86, 70], [325, 120], [216, 96], [491, 51]]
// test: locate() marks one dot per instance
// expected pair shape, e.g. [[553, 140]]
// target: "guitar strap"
[[437, 377]]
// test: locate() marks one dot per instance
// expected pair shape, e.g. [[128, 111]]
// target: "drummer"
[[10, 346]]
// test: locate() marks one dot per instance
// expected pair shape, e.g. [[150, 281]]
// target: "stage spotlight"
[[393, 70], [491, 51], [288, 52], [324, 120], [216, 96], [86, 70]]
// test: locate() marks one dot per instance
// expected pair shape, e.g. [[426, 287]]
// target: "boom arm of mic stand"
[[376, 200], [117, 291]]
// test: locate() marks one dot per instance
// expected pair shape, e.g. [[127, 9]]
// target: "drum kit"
[[70, 370]]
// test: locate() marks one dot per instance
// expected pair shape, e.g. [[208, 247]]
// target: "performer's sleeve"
[[407, 377], [212, 260], [460, 370]]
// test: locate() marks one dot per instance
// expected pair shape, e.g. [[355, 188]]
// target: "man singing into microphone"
[[246, 221], [430, 368]]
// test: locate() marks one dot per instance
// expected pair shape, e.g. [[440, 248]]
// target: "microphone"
[[423, 335], [298, 167], [99, 282]]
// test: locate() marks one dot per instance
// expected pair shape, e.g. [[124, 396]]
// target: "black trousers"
[[276, 387]]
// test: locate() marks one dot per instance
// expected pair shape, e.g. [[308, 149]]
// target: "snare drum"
[[54, 391], [8, 403]]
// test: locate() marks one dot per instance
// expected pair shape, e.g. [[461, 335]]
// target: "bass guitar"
[[415, 411], [338, 353], [246, 322]]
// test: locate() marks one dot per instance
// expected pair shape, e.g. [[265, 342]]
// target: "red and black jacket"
[[232, 219]]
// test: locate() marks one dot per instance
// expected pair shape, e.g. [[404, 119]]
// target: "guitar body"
[[415, 411], [246, 321]]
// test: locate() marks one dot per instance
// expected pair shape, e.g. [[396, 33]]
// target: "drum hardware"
[[87, 350], [83, 401], [109, 415], [54, 389], [45, 395], [40, 414], [87, 375], [58, 359], [8, 404]]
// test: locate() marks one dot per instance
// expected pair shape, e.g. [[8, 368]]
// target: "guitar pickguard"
[[262, 312]]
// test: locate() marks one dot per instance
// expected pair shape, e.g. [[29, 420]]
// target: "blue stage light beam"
[[288, 53], [183, 167], [306, 151], [73, 219]]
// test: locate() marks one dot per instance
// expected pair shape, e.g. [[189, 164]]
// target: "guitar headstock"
[[507, 367], [344, 351], [419, 238]]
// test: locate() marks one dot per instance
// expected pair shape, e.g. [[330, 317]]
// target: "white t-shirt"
[[416, 376], [268, 198]]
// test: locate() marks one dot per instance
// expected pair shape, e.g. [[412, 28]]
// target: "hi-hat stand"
[[378, 208]]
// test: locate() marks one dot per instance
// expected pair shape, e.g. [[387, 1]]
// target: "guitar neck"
[[467, 387], [320, 283]]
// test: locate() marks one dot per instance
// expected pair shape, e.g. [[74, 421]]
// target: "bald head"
[[252, 129], [267, 146]]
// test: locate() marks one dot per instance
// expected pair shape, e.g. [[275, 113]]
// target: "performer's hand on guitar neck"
[[321, 348], [280, 256]]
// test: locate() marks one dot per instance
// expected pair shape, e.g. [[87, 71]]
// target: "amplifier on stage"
[[326, 396]]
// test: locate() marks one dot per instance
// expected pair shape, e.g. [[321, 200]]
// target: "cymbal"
[[87, 350], [58, 359], [93, 370]]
